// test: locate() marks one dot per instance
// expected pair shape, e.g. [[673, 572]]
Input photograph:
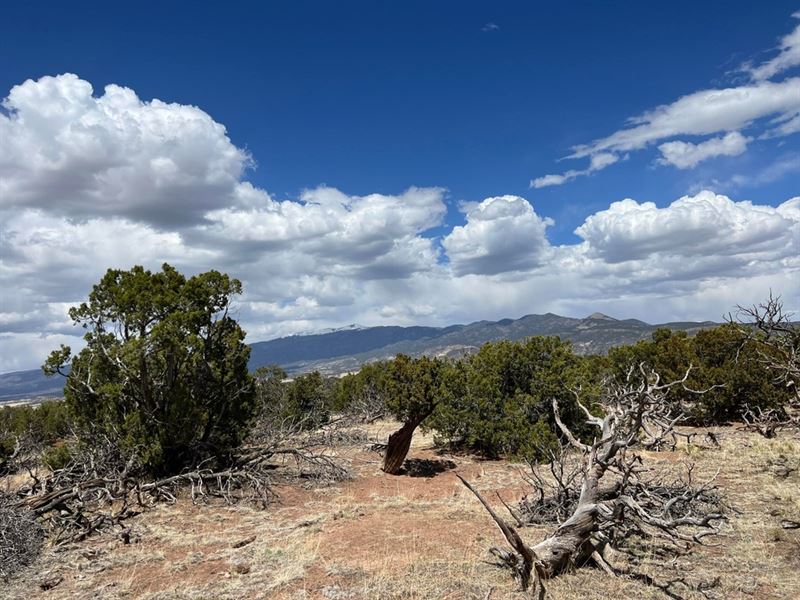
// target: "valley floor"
[[422, 535]]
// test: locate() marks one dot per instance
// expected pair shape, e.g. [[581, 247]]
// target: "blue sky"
[[474, 100]]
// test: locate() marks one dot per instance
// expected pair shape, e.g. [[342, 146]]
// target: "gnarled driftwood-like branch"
[[610, 499]]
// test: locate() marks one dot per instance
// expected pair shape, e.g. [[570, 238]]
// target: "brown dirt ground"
[[416, 537]]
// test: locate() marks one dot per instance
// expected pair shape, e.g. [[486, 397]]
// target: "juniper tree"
[[164, 370]]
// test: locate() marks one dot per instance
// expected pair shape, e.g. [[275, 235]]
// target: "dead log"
[[523, 566]]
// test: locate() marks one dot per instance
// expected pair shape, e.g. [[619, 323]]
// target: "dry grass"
[[403, 537]]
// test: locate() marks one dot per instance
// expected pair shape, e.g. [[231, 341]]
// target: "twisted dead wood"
[[614, 501]]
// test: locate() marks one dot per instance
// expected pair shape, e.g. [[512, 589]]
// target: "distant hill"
[[29, 384], [595, 334], [305, 348], [344, 350]]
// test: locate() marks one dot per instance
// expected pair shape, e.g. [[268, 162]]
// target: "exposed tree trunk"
[[399, 444], [571, 545]]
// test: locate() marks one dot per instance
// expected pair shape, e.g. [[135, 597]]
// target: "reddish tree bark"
[[399, 444]]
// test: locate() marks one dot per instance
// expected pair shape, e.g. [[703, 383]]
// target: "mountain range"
[[344, 350]]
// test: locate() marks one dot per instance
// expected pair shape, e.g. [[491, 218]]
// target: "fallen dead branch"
[[101, 487], [552, 499], [345, 430]]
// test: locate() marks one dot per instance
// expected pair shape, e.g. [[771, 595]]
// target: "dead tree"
[[767, 422], [777, 341], [552, 499], [614, 500]]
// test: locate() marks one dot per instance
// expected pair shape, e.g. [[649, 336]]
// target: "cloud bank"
[[91, 181]]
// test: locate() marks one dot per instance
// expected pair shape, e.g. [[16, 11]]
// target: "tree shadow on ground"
[[426, 467]]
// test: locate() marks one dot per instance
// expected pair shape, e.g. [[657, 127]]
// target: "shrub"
[[57, 457], [723, 362], [364, 393], [308, 400], [501, 399], [47, 422], [727, 360], [415, 387], [270, 392], [33, 427]]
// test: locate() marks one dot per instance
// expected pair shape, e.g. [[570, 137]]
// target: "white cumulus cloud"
[[376, 235], [700, 226], [502, 234], [65, 150]]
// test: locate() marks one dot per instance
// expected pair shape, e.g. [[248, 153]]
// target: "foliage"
[[502, 397], [304, 400], [726, 359], [57, 457], [164, 370], [669, 353], [724, 363], [47, 421], [364, 393], [44, 424], [416, 386], [270, 392], [308, 400]]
